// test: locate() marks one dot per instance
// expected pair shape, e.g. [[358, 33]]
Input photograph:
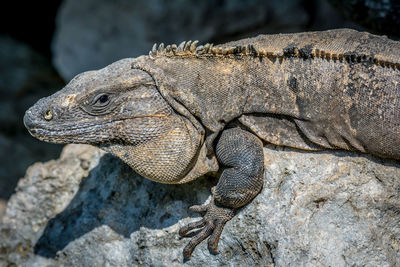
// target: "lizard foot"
[[212, 224]]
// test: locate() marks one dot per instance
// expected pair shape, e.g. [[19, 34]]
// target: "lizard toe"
[[186, 230], [201, 209], [197, 239], [212, 224], [214, 238]]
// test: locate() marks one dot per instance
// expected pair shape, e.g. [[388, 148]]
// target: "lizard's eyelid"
[[100, 104], [137, 85], [102, 99]]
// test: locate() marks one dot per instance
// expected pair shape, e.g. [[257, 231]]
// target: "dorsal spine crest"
[[191, 49]]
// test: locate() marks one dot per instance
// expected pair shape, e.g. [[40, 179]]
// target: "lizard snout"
[[28, 120], [37, 116]]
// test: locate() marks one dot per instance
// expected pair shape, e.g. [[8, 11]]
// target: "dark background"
[[43, 44]]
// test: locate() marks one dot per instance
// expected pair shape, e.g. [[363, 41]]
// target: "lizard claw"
[[211, 225]]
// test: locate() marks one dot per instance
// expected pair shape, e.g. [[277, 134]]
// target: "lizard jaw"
[[99, 133]]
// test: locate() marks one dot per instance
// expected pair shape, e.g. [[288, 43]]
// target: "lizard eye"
[[100, 104], [101, 100]]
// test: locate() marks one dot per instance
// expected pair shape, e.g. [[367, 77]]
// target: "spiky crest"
[[190, 49]]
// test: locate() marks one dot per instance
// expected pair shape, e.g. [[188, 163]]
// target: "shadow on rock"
[[115, 196]]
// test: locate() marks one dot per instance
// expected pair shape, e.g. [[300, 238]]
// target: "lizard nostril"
[[48, 115]]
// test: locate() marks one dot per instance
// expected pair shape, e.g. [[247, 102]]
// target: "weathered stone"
[[3, 205], [316, 209]]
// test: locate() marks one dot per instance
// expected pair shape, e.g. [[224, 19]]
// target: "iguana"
[[184, 111]]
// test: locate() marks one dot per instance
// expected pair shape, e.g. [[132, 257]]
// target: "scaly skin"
[[184, 110]]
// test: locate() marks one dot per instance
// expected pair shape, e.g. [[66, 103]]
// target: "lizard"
[[186, 110]]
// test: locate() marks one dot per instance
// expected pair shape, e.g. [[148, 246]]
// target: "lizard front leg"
[[241, 155]]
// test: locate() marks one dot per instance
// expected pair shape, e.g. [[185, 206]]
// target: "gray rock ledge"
[[316, 209]]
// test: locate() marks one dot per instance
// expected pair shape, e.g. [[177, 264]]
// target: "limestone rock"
[[316, 209], [3, 205]]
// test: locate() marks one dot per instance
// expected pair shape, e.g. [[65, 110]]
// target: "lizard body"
[[187, 110]]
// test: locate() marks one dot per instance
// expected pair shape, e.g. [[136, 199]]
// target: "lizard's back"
[[332, 42], [316, 90], [332, 89]]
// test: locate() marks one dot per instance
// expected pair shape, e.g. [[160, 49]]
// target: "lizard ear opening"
[[166, 94], [140, 77]]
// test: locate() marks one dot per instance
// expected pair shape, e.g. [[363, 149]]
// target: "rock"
[[316, 209], [92, 34], [26, 76], [3, 205]]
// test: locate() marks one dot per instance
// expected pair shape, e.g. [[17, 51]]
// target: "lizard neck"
[[166, 158]]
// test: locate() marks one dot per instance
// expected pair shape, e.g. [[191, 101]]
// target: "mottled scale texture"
[[336, 89], [241, 154], [166, 165]]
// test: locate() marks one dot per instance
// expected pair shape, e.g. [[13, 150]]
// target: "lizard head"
[[120, 110], [94, 105]]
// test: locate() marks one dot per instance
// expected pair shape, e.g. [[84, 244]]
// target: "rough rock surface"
[[93, 33], [316, 209], [3, 205]]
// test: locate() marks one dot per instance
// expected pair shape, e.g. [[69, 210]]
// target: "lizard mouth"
[[78, 134], [68, 135]]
